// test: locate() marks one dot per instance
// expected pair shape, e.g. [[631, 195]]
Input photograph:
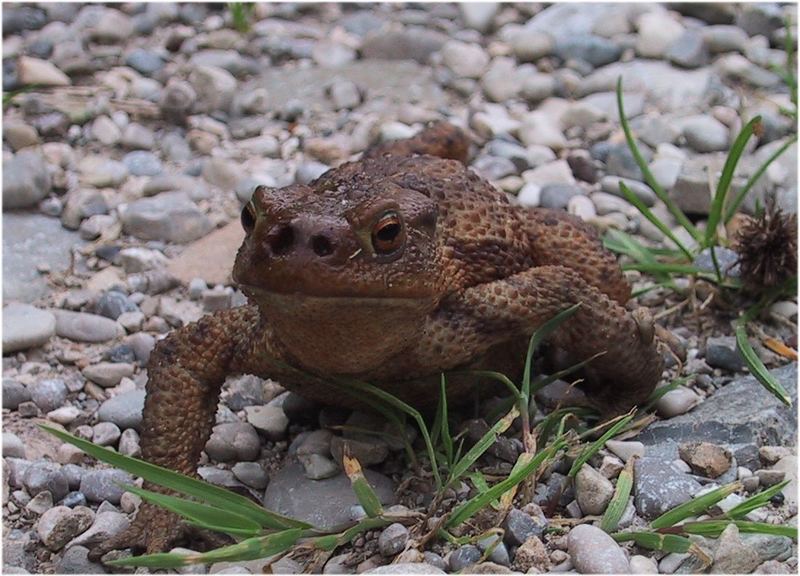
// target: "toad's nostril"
[[321, 245], [280, 239]]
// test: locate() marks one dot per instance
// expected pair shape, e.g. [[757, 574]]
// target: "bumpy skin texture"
[[391, 270]]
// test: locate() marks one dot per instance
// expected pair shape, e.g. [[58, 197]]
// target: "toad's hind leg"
[[630, 364], [185, 374]]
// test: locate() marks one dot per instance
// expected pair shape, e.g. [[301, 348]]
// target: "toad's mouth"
[[284, 297]]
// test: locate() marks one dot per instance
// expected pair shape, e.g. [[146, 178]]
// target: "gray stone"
[[113, 304], [322, 503], [722, 352], [642, 191], [731, 556], [42, 475], [660, 487], [83, 327], [520, 526], [410, 43], [169, 216], [26, 327], [406, 568], [137, 137], [345, 94], [251, 473], [176, 102], [465, 59], [592, 491], [393, 539], [129, 443], [124, 410], [102, 172], [595, 50], [144, 61], [214, 87], [761, 18], [75, 560], [499, 552], [234, 441], [105, 131], [727, 260], [268, 419], [143, 163], [106, 524], [595, 552], [494, 168], [501, 81], [479, 15], [724, 38], [105, 434], [557, 196], [12, 446], [14, 394], [48, 394], [689, 50], [328, 54], [104, 485], [706, 134], [464, 557], [26, 180], [19, 135], [108, 374], [767, 546], [657, 32], [529, 46], [317, 466]]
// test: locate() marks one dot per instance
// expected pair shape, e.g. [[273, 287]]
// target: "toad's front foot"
[[156, 530]]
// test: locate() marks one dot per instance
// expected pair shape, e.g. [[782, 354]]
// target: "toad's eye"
[[248, 217], [387, 234]]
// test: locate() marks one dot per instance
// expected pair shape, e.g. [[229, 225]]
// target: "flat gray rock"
[[26, 327], [323, 503], [30, 240], [743, 412]]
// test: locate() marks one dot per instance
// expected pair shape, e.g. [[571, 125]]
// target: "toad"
[[391, 270]]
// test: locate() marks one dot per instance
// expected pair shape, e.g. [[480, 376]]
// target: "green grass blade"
[[482, 445], [624, 243], [330, 542], [724, 184], [695, 506], [184, 484], [540, 335], [664, 543], [734, 206], [403, 407], [209, 517], [595, 446], [364, 493], [250, 549], [163, 560], [616, 508], [756, 366], [661, 268], [654, 220], [713, 528], [755, 502], [444, 426], [469, 508], [648, 175]]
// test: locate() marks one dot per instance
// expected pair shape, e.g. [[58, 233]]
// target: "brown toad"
[[391, 270]]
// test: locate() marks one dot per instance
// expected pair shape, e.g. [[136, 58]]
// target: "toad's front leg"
[[185, 374], [630, 364]]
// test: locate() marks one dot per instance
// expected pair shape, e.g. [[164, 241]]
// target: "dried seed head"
[[767, 246]]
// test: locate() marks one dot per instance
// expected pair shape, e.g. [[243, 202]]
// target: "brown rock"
[[532, 554], [705, 458], [210, 258]]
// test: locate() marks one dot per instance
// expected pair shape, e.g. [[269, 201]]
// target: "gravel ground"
[[124, 170]]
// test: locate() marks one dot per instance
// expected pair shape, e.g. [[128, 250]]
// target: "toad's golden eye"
[[387, 234]]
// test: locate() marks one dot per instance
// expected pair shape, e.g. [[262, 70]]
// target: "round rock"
[[26, 326], [100, 485], [595, 552]]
